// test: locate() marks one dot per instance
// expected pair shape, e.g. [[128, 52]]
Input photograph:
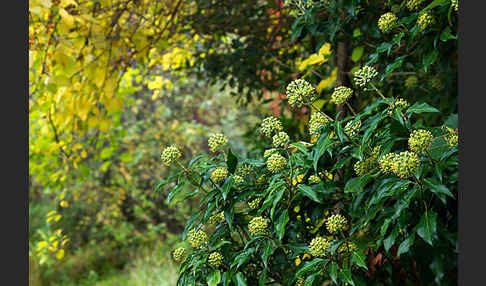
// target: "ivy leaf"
[[420, 108], [214, 278], [333, 271], [267, 251], [359, 259], [239, 279], [356, 184], [430, 59], [405, 245], [282, 220], [438, 188], [427, 226], [357, 53], [231, 162], [345, 275], [308, 192], [390, 240], [175, 190], [310, 266], [321, 146]]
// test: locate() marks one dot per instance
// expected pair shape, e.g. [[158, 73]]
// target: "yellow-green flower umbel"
[[386, 163], [411, 81], [269, 125], [179, 254], [216, 218], [455, 5], [387, 22], [318, 246], [425, 20], [405, 164], [364, 76], [244, 170], [215, 259], [347, 247], [317, 120], [276, 162], [197, 238], [352, 128], [238, 179], [170, 155], [280, 139], [257, 225], [336, 223], [420, 140], [300, 92], [300, 282], [314, 179], [414, 5], [216, 141], [219, 174], [341, 94], [269, 152], [436, 83], [253, 204]]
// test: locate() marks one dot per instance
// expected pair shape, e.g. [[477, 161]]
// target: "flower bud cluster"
[[257, 225], [404, 164], [347, 247], [314, 179], [318, 246], [387, 22], [170, 155], [420, 140], [216, 141], [300, 92], [300, 282], [197, 238], [280, 139], [364, 76], [411, 81], [425, 20], [219, 174], [351, 129], [414, 5], [452, 138], [276, 162], [253, 204], [436, 83], [216, 218], [317, 120], [269, 125], [238, 179], [244, 170], [455, 5], [179, 254], [336, 223], [341, 94], [215, 259]]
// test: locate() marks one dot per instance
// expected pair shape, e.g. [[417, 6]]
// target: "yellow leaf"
[[327, 81], [66, 17], [60, 254]]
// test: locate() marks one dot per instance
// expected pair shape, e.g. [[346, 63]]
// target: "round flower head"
[[411, 81], [347, 247], [341, 94], [401, 103], [238, 179], [269, 152], [179, 254], [216, 218], [420, 140], [276, 162], [387, 22], [314, 179], [257, 225], [317, 120], [219, 174], [300, 92], [244, 170], [386, 162], [300, 282], [455, 5], [364, 75], [318, 246], [261, 180], [197, 238], [425, 20], [216, 141], [363, 167], [280, 139], [170, 155], [351, 129], [269, 125], [452, 137], [436, 83], [253, 204], [414, 5], [215, 259], [336, 223], [405, 164]]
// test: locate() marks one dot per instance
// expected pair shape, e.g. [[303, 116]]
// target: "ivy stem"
[[350, 108], [381, 94]]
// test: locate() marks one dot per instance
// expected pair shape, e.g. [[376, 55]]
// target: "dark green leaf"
[[405, 245], [214, 278], [308, 192], [282, 220], [240, 279], [427, 226], [420, 108], [359, 258], [333, 270], [356, 184], [231, 162]]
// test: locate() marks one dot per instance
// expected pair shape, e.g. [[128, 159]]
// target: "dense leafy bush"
[[366, 204]]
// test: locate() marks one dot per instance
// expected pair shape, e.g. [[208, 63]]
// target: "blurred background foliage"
[[112, 82]]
